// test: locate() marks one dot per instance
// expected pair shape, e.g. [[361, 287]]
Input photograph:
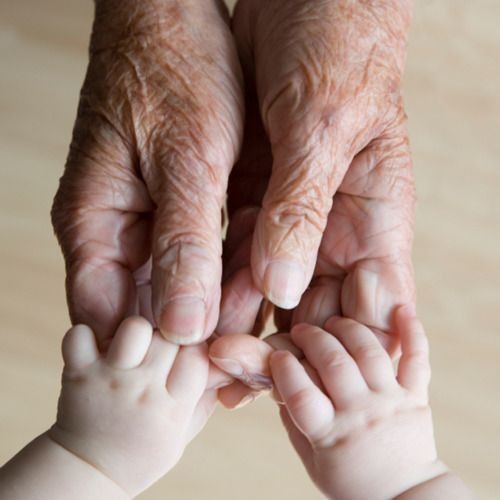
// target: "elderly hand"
[[158, 129], [331, 138]]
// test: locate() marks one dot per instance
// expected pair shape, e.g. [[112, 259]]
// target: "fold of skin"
[[158, 130], [325, 176]]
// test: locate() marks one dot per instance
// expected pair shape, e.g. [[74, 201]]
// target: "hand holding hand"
[[131, 413], [325, 178], [158, 129], [360, 430], [326, 129]]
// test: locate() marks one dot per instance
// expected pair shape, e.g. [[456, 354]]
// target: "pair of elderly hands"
[[303, 98]]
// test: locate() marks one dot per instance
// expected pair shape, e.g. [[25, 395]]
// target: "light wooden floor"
[[452, 95]]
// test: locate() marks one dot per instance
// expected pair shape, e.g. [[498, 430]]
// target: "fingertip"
[[404, 313], [138, 323], [235, 395], [282, 363], [244, 357], [278, 357], [130, 343], [414, 371], [332, 321], [301, 329], [407, 322], [240, 304], [189, 374], [160, 356], [303, 333], [410, 308], [307, 406], [182, 320], [284, 342], [79, 347], [284, 283], [217, 378]]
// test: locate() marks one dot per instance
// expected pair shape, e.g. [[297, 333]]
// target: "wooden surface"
[[452, 93]]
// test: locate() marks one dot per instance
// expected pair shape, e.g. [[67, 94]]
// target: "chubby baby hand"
[[361, 430], [131, 412]]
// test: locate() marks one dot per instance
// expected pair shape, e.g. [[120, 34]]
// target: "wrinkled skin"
[[158, 130], [326, 131], [323, 190]]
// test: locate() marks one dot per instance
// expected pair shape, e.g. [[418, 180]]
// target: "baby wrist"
[[45, 469], [95, 480], [444, 485]]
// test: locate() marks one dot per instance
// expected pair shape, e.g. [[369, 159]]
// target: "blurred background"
[[452, 91]]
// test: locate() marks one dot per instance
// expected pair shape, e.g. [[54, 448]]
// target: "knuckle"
[[299, 215], [304, 86], [302, 113], [178, 257], [174, 248], [185, 267]]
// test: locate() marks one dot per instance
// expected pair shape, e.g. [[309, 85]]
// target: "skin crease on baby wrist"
[[445, 485], [30, 475]]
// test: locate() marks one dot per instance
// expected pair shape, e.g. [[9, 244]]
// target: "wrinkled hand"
[[158, 129], [328, 156]]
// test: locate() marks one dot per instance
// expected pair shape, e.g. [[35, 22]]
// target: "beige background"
[[452, 94]]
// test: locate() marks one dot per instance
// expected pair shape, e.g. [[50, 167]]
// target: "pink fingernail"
[[253, 379], [183, 320], [246, 400], [284, 283]]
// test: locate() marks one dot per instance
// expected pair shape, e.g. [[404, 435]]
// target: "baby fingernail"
[[284, 282]]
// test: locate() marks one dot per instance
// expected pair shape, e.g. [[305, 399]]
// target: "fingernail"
[[257, 381], [252, 397], [246, 400], [251, 378], [183, 320], [284, 282]]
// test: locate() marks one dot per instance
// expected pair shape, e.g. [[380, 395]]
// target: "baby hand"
[[131, 412], [361, 430]]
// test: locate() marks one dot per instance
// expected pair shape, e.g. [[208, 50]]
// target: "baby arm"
[[44, 469], [124, 418], [361, 430]]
